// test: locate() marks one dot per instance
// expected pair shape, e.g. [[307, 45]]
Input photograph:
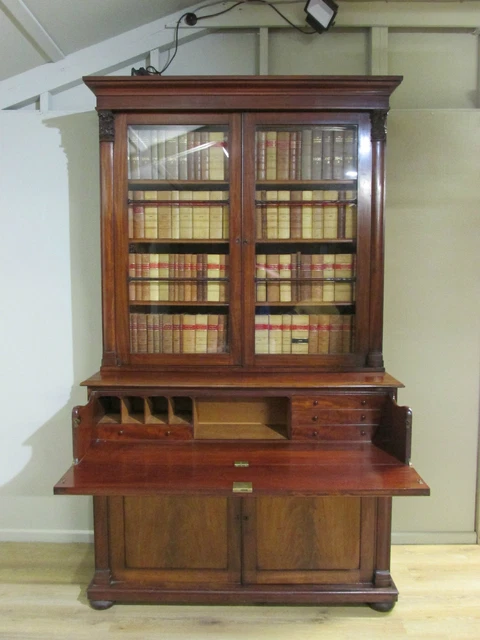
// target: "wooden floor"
[[42, 597]]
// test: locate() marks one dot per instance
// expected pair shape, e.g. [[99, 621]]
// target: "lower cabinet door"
[[325, 540], [175, 540]]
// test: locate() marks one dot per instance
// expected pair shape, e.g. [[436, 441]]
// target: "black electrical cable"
[[151, 71]]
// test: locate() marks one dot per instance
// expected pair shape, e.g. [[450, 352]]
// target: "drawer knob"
[[363, 417], [315, 418], [364, 402], [315, 403], [315, 433]]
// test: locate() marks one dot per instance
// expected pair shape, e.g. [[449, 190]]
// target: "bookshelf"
[[242, 405]]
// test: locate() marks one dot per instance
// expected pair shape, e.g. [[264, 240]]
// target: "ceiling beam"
[[24, 20], [99, 58], [428, 15]]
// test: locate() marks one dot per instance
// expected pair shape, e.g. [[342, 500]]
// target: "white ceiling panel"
[[17, 54]]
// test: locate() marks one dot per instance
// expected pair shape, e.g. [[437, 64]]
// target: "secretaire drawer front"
[[335, 416], [338, 401], [334, 433]]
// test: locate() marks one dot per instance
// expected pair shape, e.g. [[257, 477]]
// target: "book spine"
[[286, 333], [171, 157], [177, 333], [175, 214], [188, 278], [271, 155], [142, 332], [151, 217], [330, 216], [164, 215], [224, 275], [313, 334], [274, 334], [154, 274], [307, 215], [131, 274], [188, 330], [349, 154], [186, 215], [285, 275], [212, 333], [133, 333], [283, 215], [261, 334], [295, 215], [329, 272], [161, 154], [145, 154], [182, 157], [157, 333], [336, 337], [261, 274], [215, 212], [306, 166], [294, 156], [133, 154], [149, 333], [163, 272], [283, 155], [327, 154], [323, 334], [338, 154], [261, 146], [216, 155], [138, 215], [222, 345], [130, 214], [167, 325], [213, 275], [201, 329], [317, 275], [272, 215], [300, 327], [273, 284], [200, 216], [317, 150], [154, 153]]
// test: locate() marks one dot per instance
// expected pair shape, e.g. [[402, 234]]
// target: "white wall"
[[50, 321], [50, 249]]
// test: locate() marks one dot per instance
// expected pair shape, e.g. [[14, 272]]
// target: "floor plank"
[[42, 597]]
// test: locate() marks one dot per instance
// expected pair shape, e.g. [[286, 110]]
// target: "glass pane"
[[178, 228], [306, 229]]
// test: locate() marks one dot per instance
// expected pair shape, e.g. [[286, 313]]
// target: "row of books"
[[303, 334], [178, 277], [173, 153], [178, 333], [308, 214], [188, 215], [309, 153], [295, 277]]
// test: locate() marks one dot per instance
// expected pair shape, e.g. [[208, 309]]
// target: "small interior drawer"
[[339, 401]]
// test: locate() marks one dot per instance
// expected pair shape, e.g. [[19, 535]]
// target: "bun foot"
[[382, 607], [100, 605]]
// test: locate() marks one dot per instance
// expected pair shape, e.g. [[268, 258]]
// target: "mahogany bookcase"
[[242, 441]]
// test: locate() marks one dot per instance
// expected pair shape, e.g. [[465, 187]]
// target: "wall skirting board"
[[63, 536]]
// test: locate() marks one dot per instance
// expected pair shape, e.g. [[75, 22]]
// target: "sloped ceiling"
[[33, 32]]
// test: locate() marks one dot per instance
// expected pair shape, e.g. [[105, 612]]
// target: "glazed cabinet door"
[[295, 540], [175, 539], [307, 219], [177, 239]]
